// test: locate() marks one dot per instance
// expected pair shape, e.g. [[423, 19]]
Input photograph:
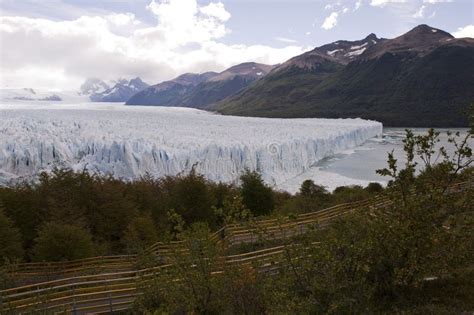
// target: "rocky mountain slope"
[[421, 78], [119, 91], [201, 90]]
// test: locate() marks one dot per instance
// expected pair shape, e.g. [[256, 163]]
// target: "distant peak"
[[137, 80], [426, 30], [371, 36], [422, 27]]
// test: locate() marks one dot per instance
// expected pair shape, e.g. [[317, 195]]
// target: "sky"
[[57, 44]]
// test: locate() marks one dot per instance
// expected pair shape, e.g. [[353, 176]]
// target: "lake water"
[[358, 166]]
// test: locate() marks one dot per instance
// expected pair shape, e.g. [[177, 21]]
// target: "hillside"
[[201, 90], [422, 78]]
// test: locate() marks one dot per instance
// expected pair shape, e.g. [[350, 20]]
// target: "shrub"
[[374, 188], [10, 240], [58, 242], [140, 234], [257, 197]]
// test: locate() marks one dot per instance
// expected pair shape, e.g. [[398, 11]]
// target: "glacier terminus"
[[130, 142]]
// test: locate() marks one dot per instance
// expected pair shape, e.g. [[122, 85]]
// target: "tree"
[[191, 287], [257, 197], [192, 199], [58, 242], [10, 239], [310, 189], [115, 210], [62, 196], [140, 234], [374, 188]]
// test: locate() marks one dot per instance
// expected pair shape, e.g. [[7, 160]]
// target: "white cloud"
[[330, 21], [345, 10], [420, 13], [357, 5], [466, 31], [382, 3], [46, 53], [183, 21], [437, 1], [216, 10], [286, 40], [122, 19]]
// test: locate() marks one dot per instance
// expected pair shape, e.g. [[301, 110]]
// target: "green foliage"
[[350, 193], [10, 240], [379, 261], [59, 242], [310, 189], [190, 288], [233, 210], [257, 197], [111, 216], [197, 282], [22, 205], [374, 188], [192, 198], [140, 234], [107, 207]]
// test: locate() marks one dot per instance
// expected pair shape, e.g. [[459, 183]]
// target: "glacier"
[[130, 142]]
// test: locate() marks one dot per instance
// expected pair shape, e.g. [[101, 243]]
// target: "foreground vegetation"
[[68, 215], [415, 255]]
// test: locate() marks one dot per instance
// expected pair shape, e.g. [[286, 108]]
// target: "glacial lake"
[[359, 165]]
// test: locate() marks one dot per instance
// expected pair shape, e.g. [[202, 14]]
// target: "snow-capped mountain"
[[93, 86], [339, 52], [201, 90], [422, 78], [116, 91]]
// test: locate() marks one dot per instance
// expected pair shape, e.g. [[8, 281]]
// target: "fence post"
[[74, 307], [38, 298], [110, 296]]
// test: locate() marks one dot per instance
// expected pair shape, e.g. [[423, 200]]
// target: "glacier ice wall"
[[129, 142]]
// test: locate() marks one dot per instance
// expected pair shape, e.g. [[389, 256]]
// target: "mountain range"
[[118, 91], [201, 90], [422, 78]]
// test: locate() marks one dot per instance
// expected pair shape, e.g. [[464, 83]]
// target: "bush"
[[310, 189], [58, 242], [374, 188], [257, 197], [10, 240], [140, 234]]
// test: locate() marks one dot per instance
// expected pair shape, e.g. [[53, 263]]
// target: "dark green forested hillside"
[[397, 89]]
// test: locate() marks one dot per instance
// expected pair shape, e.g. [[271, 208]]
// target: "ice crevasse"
[[130, 142]]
